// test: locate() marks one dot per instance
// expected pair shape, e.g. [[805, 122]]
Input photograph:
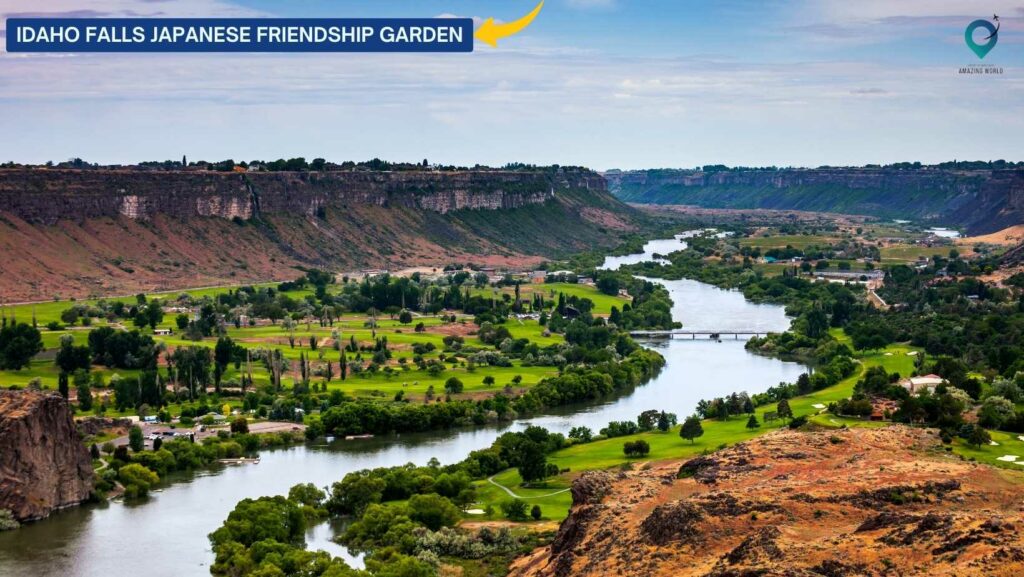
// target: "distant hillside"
[[980, 201], [94, 232]]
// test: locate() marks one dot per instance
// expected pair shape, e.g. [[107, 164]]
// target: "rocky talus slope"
[[824, 504], [99, 232], [43, 464]]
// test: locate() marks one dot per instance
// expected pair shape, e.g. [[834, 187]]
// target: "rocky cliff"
[[95, 232], [979, 201], [43, 464], [859, 502], [48, 196]]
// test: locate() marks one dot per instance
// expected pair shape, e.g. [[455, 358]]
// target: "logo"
[[988, 42]]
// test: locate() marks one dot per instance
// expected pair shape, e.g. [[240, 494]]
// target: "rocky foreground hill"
[[43, 464], [825, 504], [96, 231], [981, 201]]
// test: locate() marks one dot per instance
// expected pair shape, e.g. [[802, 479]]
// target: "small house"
[[917, 384]]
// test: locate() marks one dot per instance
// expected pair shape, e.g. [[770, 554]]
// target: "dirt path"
[[514, 496]]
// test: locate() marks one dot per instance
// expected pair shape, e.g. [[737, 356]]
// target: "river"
[[166, 535]]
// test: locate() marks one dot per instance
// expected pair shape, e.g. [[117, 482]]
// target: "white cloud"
[[874, 10]]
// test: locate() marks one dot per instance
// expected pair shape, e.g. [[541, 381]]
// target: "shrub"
[[514, 510]]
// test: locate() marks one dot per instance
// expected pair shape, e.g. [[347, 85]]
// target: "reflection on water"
[[167, 534]]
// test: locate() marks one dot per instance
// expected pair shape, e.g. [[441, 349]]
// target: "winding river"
[[166, 535]]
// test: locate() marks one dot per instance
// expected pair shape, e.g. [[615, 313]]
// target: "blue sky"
[[602, 83]]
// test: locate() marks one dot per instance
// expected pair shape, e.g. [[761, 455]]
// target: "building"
[[917, 384]]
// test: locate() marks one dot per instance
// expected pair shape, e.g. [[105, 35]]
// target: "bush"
[[240, 425], [514, 510], [137, 479], [638, 448]]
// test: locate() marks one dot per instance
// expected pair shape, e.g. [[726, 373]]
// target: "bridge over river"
[[693, 334]]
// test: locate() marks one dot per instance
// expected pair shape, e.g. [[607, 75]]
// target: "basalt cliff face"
[[49, 196], [93, 232], [979, 201], [859, 502], [43, 464]]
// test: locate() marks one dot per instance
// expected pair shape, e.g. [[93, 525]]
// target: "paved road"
[[161, 428]]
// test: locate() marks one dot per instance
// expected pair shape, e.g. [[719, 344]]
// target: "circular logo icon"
[[989, 42]]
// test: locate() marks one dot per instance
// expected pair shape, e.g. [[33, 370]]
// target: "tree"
[[135, 440], [752, 422], [532, 463], [62, 385], [355, 492], [240, 425], [581, 434], [535, 512], [453, 386], [136, 479], [514, 510], [783, 409], [19, 342], [71, 358], [691, 428], [979, 437], [223, 352], [405, 317], [637, 448], [433, 511], [84, 394], [664, 422]]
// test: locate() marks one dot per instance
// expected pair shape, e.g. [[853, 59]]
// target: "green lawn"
[[910, 253], [799, 241], [602, 303]]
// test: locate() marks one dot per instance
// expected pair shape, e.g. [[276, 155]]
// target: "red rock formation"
[[43, 464]]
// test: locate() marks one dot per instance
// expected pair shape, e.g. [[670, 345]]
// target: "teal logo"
[[989, 42]]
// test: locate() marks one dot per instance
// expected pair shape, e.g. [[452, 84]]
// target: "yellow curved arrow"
[[490, 32]]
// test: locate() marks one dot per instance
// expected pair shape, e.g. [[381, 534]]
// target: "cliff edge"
[[43, 464], [825, 504], [95, 232]]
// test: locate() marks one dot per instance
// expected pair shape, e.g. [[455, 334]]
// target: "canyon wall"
[[99, 232], [43, 464], [46, 196], [978, 201]]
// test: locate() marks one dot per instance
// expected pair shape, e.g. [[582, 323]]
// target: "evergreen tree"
[[691, 428]]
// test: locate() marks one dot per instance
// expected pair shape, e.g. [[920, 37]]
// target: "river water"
[[166, 535]]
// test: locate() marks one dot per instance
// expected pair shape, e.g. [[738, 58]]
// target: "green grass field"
[[910, 253], [602, 303], [799, 241], [405, 377]]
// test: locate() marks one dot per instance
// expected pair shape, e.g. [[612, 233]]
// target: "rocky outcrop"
[[980, 201], [48, 196], [43, 464], [838, 503]]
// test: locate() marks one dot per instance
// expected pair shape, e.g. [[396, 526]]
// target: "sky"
[[600, 83]]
